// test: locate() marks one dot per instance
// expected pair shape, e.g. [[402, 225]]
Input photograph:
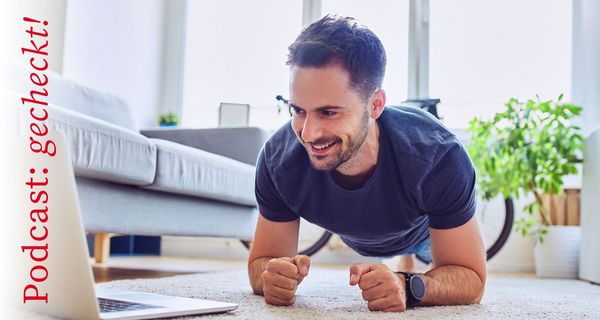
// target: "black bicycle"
[[495, 217]]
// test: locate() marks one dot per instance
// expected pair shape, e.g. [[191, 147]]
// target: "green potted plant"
[[168, 119], [527, 150]]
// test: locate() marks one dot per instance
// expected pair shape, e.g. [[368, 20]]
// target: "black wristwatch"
[[415, 288]]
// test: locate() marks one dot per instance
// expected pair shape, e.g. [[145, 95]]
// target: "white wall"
[[116, 46]]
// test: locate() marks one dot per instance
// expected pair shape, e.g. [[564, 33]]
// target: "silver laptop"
[[70, 285]]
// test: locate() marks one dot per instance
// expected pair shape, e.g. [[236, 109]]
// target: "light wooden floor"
[[105, 274], [144, 267]]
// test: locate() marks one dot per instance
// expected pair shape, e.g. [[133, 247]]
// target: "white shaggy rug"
[[326, 294]]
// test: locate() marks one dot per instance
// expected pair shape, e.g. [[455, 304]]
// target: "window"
[[484, 52], [481, 54], [236, 53]]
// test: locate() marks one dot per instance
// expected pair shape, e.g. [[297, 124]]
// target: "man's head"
[[340, 41], [337, 69]]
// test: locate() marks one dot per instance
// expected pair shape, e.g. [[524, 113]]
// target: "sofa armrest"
[[242, 144]]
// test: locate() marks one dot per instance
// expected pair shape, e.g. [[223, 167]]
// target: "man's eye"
[[296, 111], [327, 113]]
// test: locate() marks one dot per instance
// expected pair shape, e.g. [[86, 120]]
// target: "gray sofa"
[[195, 182]]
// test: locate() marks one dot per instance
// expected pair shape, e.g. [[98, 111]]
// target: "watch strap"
[[411, 300]]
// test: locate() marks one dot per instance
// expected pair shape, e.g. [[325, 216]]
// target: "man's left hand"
[[382, 288]]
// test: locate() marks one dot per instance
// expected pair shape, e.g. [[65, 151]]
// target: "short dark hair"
[[335, 40]]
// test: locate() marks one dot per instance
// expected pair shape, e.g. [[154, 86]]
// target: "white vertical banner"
[[31, 33]]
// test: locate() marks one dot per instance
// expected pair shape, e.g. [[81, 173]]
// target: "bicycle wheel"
[[312, 238], [502, 236], [495, 218]]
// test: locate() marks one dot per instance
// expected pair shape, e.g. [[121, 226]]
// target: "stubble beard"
[[349, 156]]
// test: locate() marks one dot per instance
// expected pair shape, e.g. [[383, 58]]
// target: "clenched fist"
[[281, 278], [382, 288]]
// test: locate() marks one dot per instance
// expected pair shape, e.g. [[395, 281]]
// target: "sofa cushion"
[[70, 95], [102, 150], [185, 170]]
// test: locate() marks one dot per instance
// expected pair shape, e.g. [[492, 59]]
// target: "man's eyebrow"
[[328, 107]]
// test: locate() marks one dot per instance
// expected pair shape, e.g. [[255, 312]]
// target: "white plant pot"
[[558, 256]]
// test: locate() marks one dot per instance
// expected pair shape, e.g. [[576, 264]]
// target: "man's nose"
[[311, 131]]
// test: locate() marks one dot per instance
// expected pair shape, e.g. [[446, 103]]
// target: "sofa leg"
[[102, 246]]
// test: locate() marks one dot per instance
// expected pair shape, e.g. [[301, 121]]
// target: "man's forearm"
[[255, 270], [453, 285]]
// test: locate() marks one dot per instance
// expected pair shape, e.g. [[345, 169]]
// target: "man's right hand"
[[282, 277]]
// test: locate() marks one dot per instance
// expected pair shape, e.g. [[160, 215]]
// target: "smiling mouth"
[[321, 149]]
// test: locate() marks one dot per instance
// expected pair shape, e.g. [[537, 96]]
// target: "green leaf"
[[529, 142]]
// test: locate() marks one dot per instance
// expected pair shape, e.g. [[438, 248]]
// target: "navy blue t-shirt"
[[423, 178]]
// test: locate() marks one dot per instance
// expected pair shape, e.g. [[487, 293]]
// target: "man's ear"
[[377, 103]]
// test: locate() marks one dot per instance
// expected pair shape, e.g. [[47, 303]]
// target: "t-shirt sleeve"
[[270, 203], [448, 188]]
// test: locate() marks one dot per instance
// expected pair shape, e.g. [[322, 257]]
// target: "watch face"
[[417, 287]]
